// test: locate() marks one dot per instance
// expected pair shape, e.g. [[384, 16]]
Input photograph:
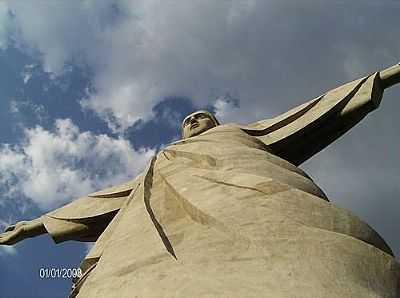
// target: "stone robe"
[[228, 213]]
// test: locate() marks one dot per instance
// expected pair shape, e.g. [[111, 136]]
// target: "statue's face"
[[196, 123]]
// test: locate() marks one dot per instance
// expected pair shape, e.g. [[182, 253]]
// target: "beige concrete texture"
[[227, 212]]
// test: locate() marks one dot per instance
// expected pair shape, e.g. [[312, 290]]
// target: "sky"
[[90, 90]]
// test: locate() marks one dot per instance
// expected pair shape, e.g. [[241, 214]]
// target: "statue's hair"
[[211, 115]]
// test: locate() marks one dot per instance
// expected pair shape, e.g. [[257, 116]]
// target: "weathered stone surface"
[[226, 212], [237, 221]]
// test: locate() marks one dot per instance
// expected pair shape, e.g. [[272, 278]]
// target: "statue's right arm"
[[60, 229], [22, 230], [82, 220]]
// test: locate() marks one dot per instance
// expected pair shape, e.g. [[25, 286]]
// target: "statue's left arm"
[[307, 129]]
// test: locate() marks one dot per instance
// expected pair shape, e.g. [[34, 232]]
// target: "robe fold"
[[228, 213]]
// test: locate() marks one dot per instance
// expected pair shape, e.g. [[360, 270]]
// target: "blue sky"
[[89, 90]]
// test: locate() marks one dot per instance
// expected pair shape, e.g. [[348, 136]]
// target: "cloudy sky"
[[89, 90]]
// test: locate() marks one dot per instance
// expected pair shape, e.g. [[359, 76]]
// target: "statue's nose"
[[192, 119]]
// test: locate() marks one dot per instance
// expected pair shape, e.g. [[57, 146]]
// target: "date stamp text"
[[60, 273]]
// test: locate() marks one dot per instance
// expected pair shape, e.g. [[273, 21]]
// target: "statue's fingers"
[[4, 238], [8, 238]]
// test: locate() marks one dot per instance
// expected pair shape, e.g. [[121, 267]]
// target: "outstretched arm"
[[390, 76], [83, 219], [305, 130], [22, 230]]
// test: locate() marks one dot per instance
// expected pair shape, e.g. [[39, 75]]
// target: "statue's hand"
[[390, 76], [14, 233], [21, 230]]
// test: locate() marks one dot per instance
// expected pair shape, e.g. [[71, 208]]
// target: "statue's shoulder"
[[226, 127], [120, 190], [101, 202]]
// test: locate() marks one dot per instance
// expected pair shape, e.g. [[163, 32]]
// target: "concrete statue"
[[227, 212]]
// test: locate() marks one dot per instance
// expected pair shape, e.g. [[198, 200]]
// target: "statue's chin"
[[196, 131]]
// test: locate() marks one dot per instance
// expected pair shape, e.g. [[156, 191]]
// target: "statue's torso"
[[219, 215]]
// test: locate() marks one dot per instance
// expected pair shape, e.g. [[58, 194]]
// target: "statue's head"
[[198, 122]]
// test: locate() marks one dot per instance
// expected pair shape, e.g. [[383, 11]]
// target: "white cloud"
[[142, 51], [26, 106], [52, 167], [7, 250], [27, 72], [227, 110]]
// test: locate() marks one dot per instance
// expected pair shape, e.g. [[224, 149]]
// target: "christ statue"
[[227, 212]]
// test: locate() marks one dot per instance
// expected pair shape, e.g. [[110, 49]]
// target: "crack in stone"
[[147, 185], [199, 160], [242, 186], [203, 218]]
